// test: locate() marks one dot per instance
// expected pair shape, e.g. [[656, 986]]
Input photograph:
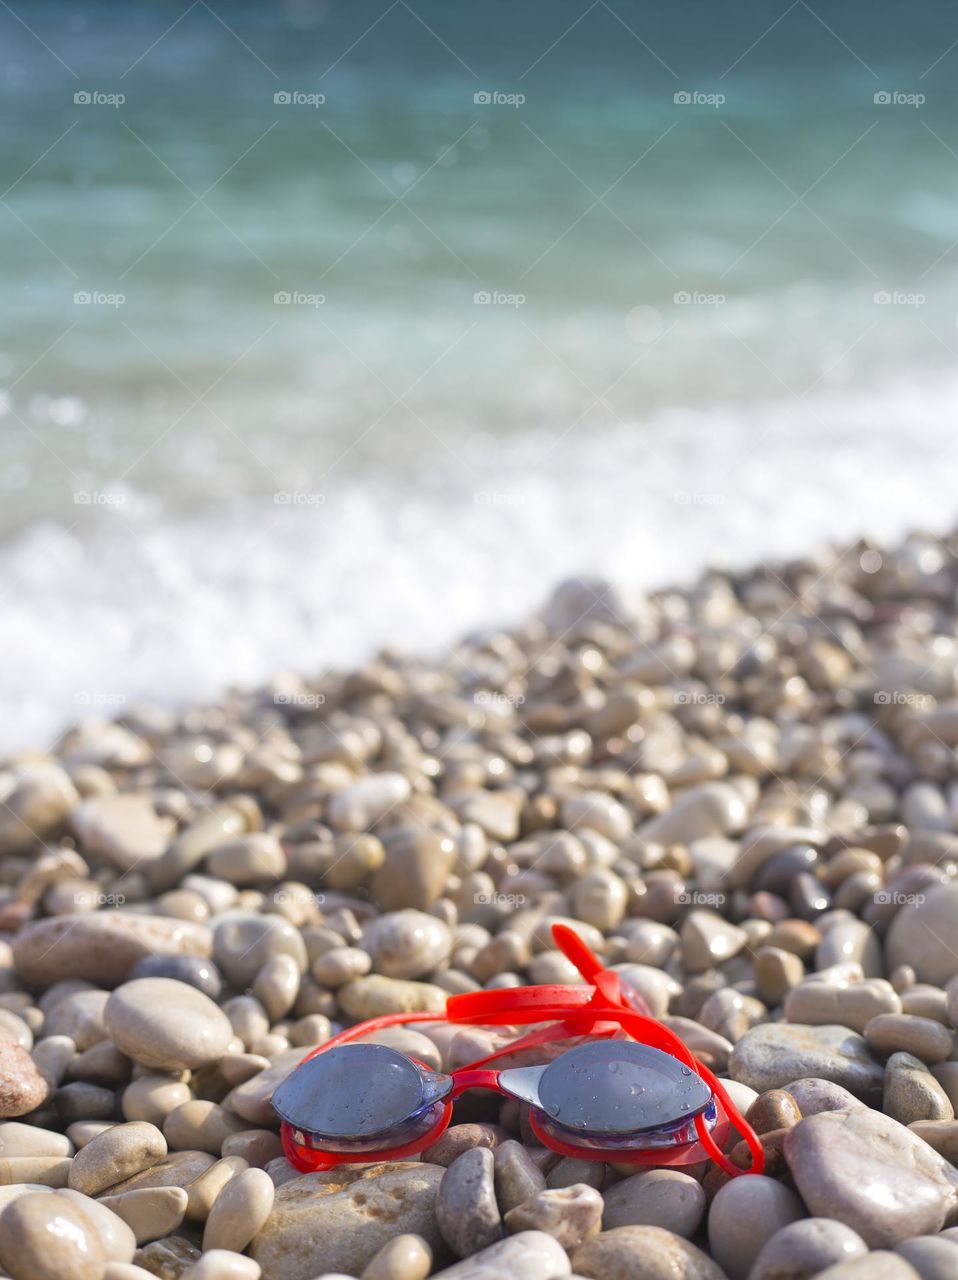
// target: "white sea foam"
[[163, 608]]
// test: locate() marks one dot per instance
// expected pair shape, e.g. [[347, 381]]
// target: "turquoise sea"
[[332, 324]]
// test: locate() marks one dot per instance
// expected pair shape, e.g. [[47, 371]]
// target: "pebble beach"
[[741, 793]]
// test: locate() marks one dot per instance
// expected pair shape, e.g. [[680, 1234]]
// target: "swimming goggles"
[[630, 1091]]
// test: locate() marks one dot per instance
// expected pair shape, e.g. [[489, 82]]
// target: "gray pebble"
[[466, 1210]]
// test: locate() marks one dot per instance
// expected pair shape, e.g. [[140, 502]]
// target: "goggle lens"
[[360, 1097]]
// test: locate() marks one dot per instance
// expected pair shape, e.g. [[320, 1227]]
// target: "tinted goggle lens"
[[615, 1094], [360, 1097]]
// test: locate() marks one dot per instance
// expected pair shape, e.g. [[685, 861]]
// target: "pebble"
[[407, 944], [244, 941], [912, 1092], [777, 972], [651, 1253], [219, 1264], [375, 995], [776, 1109], [38, 802], [359, 806], [744, 1215], [879, 1265], [256, 1146], [517, 1177], [196, 971], [163, 1023], [851, 939], [30, 1140], [22, 1087], [531, 1255], [802, 1249], [819, 1001], [941, 1136], [708, 940], [415, 872], [153, 1097], [15, 1029], [568, 1214], [115, 1237], [711, 809], [406, 1257], [920, 932], [239, 1211], [872, 1174], [462, 1137], [466, 1209], [200, 1126], [772, 1055], [255, 858], [79, 1016], [167, 1259], [101, 947], [179, 1169], [117, 1154], [570, 1171], [902, 1032], [49, 1171], [203, 1190], [663, 1198], [932, 1257], [277, 985], [814, 1095], [338, 1221], [124, 829], [46, 1237], [150, 1213]]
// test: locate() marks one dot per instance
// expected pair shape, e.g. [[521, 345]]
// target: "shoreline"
[[741, 795]]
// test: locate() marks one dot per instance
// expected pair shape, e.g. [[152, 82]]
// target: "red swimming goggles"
[[629, 1092]]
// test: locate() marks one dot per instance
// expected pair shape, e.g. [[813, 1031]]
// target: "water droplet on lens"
[[686, 1071]]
